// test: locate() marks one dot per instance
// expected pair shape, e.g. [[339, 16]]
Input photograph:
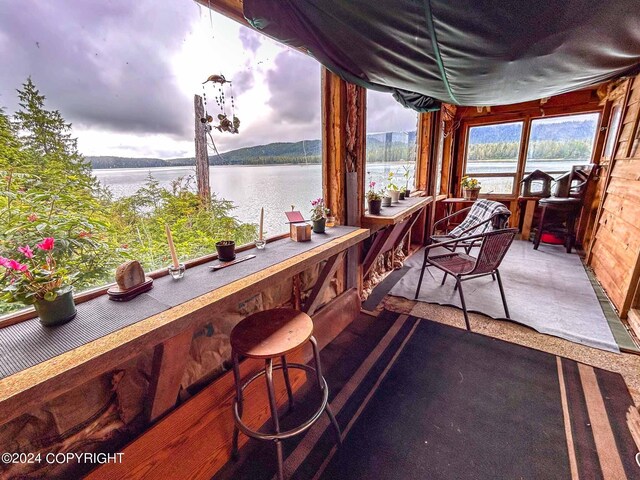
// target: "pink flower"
[[4, 262], [17, 266], [46, 244], [33, 217], [372, 184], [26, 251]]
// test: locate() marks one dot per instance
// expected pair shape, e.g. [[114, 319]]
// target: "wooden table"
[[393, 222], [530, 208], [169, 332]]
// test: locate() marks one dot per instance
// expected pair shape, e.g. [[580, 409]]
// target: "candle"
[[172, 247], [261, 221]]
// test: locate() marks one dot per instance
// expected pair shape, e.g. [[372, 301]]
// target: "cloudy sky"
[[124, 73]]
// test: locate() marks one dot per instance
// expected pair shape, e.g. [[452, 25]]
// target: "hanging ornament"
[[226, 123]]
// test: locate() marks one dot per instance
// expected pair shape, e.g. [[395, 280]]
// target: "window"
[[555, 144], [391, 141], [558, 143], [131, 171], [492, 156]]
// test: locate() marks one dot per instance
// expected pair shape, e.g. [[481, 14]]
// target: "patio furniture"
[[559, 213], [462, 266], [483, 216], [269, 335]]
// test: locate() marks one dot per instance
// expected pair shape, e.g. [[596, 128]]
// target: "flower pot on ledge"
[[58, 311], [374, 207], [394, 194], [471, 193], [319, 225]]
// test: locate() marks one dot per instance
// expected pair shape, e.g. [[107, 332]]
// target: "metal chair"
[[483, 216], [462, 266]]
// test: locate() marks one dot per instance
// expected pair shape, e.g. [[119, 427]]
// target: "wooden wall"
[[615, 253]]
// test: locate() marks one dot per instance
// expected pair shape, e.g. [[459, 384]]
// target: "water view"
[[274, 187]]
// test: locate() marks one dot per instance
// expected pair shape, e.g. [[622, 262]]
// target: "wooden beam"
[[229, 8], [322, 282], [169, 361], [374, 250], [334, 144]]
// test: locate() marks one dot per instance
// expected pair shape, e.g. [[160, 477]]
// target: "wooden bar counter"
[[169, 332]]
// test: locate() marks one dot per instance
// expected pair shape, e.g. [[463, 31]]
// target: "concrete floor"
[[628, 365]]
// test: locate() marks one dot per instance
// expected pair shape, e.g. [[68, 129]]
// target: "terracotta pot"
[[394, 194], [58, 311], [226, 250], [318, 225], [471, 193], [374, 207]]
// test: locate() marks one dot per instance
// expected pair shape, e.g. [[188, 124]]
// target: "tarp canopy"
[[464, 52]]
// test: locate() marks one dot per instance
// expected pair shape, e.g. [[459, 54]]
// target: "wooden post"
[[202, 157]]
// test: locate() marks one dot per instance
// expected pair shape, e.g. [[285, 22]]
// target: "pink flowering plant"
[[373, 194], [318, 210], [33, 274]]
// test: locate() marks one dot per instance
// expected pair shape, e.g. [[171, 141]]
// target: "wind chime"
[[225, 124]]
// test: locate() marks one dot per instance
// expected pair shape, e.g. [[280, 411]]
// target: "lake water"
[[275, 188]]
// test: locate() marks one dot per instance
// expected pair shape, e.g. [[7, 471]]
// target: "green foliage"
[[35, 275], [539, 149], [196, 229], [47, 190]]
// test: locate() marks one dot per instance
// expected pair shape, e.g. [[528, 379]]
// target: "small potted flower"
[[374, 199], [319, 215], [470, 187], [36, 279], [392, 189], [406, 175]]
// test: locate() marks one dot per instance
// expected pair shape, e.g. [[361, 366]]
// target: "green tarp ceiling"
[[464, 52]]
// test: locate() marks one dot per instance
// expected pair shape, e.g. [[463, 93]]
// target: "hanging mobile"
[[225, 124]]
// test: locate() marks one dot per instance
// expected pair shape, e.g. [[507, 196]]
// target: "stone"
[[130, 274]]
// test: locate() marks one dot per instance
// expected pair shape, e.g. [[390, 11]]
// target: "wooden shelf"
[[396, 213]]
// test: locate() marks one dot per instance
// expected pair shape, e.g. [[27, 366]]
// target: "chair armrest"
[[466, 209]]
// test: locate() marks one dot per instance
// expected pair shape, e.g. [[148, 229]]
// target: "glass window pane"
[[493, 148], [391, 141], [558, 143], [496, 185]]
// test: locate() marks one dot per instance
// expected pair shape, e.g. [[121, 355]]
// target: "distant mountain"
[[571, 130], [280, 153]]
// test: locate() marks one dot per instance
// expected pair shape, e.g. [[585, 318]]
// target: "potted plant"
[[226, 250], [386, 200], [392, 189], [406, 175], [374, 199], [319, 215], [470, 187], [36, 279]]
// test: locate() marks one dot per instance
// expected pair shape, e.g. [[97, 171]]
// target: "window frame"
[[527, 120]]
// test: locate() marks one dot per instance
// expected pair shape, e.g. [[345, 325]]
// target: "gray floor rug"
[[546, 289]]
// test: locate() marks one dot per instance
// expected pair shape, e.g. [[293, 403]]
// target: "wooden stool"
[[268, 335]]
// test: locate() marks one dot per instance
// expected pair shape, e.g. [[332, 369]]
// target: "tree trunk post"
[[202, 157]]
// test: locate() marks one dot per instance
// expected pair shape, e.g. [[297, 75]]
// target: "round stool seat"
[[271, 333]]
